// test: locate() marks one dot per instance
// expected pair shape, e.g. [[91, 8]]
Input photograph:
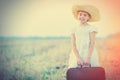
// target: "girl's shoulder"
[[93, 28], [73, 29]]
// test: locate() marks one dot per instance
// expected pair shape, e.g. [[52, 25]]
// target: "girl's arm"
[[91, 46], [73, 41]]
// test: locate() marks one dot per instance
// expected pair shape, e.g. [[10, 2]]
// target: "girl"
[[83, 37]]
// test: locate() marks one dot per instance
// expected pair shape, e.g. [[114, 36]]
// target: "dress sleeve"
[[93, 29], [72, 31]]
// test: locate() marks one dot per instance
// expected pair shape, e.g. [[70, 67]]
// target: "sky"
[[53, 17]]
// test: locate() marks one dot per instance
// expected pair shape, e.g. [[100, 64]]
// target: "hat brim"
[[93, 11]]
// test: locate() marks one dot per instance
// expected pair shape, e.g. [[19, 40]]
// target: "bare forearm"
[[92, 42], [90, 50], [73, 41], [76, 52]]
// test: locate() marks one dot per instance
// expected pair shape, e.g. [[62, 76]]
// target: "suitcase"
[[86, 73]]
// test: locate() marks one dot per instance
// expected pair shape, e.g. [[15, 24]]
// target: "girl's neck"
[[83, 24]]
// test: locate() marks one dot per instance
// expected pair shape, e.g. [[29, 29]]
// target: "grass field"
[[47, 59]]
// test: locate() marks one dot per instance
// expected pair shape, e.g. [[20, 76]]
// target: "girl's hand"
[[87, 61], [79, 62]]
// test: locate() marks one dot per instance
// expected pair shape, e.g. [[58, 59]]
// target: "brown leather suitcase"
[[86, 73]]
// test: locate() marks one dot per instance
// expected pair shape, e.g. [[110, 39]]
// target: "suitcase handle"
[[81, 66]]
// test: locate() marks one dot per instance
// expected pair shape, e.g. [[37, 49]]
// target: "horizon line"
[[34, 37], [37, 37]]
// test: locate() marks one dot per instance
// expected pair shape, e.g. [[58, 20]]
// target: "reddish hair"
[[85, 12]]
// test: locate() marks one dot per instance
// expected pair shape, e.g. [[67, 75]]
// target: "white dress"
[[82, 43]]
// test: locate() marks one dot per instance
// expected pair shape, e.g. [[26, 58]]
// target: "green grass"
[[47, 59], [34, 59]]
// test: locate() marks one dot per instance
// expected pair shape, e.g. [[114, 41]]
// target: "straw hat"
[[92, 10]]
